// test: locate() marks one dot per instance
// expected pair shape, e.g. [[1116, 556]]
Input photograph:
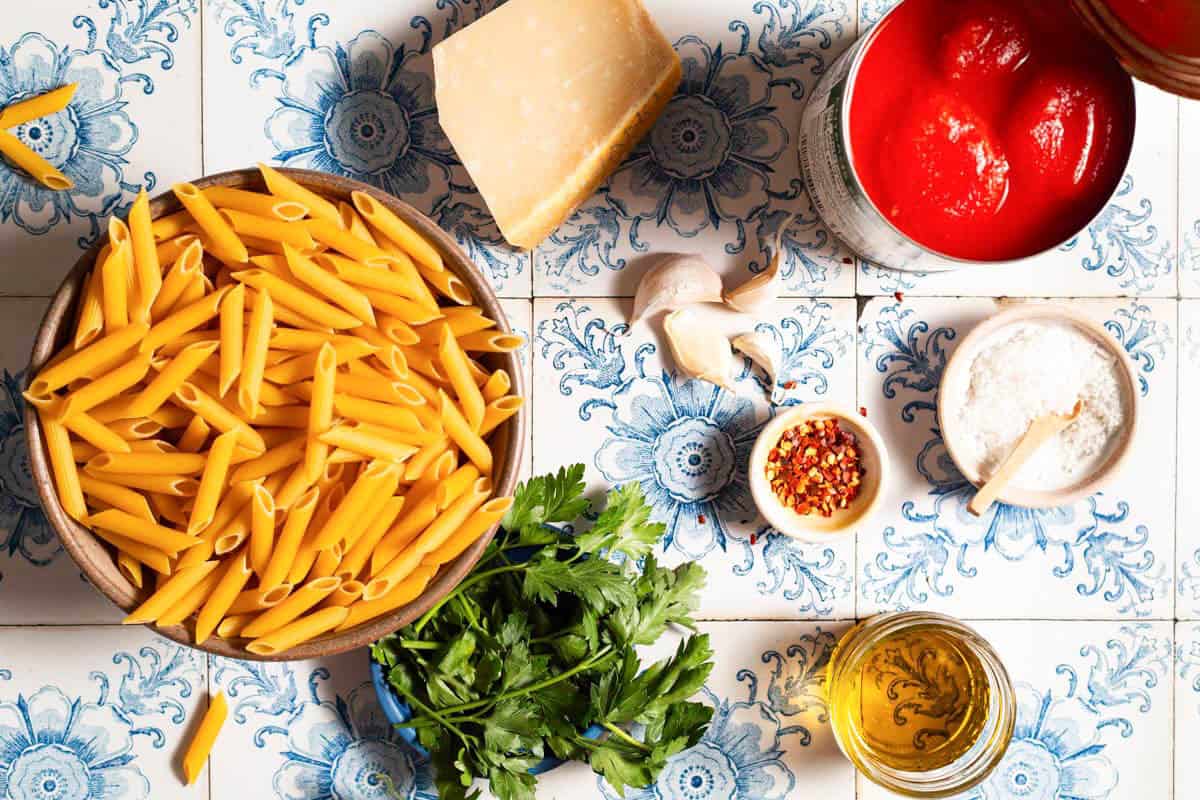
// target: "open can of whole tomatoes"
[[980, 132]]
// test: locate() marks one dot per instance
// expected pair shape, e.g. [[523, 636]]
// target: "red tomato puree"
[[1172, 26], [989, 130]]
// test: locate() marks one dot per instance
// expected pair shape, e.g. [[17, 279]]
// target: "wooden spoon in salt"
[[1039, 431]]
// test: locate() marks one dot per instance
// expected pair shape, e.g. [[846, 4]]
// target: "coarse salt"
[[1028, 370]]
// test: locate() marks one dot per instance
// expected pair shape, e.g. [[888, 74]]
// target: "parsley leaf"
[[549, 498], [540, 642], [624, 525]]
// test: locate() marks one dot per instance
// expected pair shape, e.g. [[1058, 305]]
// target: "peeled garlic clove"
[[764, 351], [673, 283], [756, 294], [700, 350]]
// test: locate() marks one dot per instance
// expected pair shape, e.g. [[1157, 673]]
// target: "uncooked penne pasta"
[[352, 461], [320, 410], [328, 286], [232, 311], [169, 593], [285, 188], [201, 745], [454, 364], [299, 300], [254, 359], [36, 106], [283, 555], [401, 594], [152, 557], [212, 481], [398, 231], [90, 323], [170, 378], [37, 167], [187, 266], [269, 229], [145, 257], [224, 240], [462, 434], [298, 631], [234, 578], [262, 529], [263, 205], [114, 278], [489, 341]]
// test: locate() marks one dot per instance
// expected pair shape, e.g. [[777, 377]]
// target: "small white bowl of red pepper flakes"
[[817, 470]]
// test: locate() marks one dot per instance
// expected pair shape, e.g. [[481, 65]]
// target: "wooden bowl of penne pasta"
[[277, 414]]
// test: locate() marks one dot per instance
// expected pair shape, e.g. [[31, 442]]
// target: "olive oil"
[[919, 703]]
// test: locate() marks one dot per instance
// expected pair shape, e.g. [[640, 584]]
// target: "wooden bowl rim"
[[92, 556]]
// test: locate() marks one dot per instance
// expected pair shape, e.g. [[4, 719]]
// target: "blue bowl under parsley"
[[533, 658]]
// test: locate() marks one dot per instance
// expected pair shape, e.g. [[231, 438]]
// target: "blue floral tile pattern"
[[121, 53], [359, 103], [99, 735], [1108, 554], [312, 740], [719, 170], [609, 393]]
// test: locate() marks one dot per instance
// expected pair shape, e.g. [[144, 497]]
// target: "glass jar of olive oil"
[[920, 703]]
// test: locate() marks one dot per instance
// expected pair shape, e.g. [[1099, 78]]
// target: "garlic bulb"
[[756, 295], [764, 351], [674, 282], [700, 350]]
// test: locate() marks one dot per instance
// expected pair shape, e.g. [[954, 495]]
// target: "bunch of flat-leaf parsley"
[[537, 644]]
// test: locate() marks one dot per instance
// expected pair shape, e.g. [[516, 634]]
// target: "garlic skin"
[[764, 351], [756, 295], [674, 282], [700, 350]]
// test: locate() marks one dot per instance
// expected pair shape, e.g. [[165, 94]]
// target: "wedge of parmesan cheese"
[[542, 99]]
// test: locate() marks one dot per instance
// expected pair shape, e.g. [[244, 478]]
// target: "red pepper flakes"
[[862, 410], [847, 260], [789, 385], [899, 296], [753, 539], [815, 468], [702, 519]]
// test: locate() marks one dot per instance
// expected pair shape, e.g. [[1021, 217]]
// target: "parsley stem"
[[468, 583], [416, 701], [419, 644], [582, 666], [621, 734]]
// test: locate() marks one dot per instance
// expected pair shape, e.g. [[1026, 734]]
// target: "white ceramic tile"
[[1187, 706], [719, 174], [520, 317], [346, 86], [1094, 712], [1189, 198], [134, 122], [769, 738], [1107, 556], [1188, 511], [96, 712], [307, 730], [31, 557], [1128, 250], [613, 402]]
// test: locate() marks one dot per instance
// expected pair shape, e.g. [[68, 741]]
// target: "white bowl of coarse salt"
[[1023, 363]]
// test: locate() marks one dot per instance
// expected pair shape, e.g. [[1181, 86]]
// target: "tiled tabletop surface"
[[1095, 608]]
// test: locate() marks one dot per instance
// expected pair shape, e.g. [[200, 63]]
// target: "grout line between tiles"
[[203, 56]]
